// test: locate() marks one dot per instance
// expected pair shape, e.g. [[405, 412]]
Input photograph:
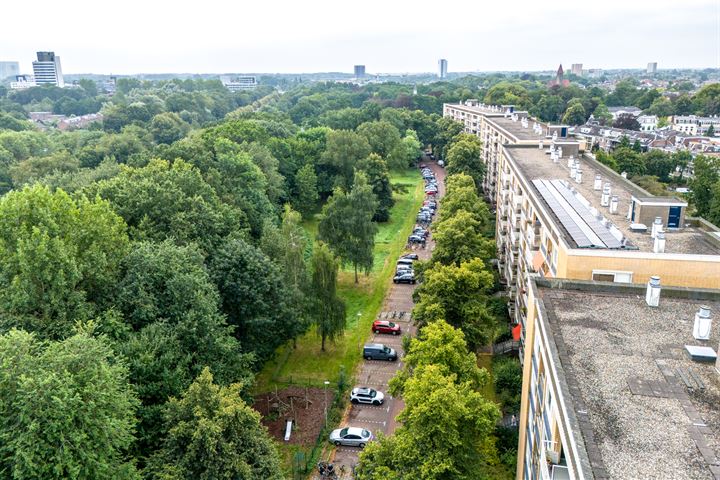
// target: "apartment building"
[[496, 126], [240, 83], [610, 387], [47, 69]]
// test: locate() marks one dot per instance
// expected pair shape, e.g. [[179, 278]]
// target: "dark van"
[[378, 351]]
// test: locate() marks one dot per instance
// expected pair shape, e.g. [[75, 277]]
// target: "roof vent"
[[652, 294], [598, 183], [703, 323], [623, 174], [540, 144], [578, 174], [559, 150], [659, 245], [573, 169], [554, 135], [656, 227], [614, 204], [605, 198]]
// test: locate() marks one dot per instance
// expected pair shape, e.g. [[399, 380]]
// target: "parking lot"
[[376, 374]]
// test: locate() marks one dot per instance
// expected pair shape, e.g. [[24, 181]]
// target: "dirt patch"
[[305, 406]]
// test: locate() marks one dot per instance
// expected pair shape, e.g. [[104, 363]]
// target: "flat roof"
[[518, 131], [536, 164], [624, 365]]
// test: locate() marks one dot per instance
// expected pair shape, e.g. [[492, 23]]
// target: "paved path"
[[376, 374]]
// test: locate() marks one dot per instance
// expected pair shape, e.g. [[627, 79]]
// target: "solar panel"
[[576, 233]]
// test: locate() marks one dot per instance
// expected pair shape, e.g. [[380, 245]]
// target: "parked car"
[[351, 436], [415, 239], [378, 351], [405, 261], [441, 163], [366, 395], [405, 276], [411, 256], [385, 326], [404, 269]]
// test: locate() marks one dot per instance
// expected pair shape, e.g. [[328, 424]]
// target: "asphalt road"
[[375, 373]]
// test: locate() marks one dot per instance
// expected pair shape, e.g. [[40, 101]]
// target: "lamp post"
[[326, 385]]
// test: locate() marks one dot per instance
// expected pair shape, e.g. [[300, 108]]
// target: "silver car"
[[351, 436]]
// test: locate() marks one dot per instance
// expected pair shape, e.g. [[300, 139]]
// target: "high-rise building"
[[47, 69], [442, 68], [239, 83], [9, 70], [576, 69], [652, 68], [359, 71]]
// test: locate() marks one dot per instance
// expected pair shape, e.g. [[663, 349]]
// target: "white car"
[[351, 436], [366, 395]]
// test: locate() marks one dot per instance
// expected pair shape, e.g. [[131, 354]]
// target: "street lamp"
[[326, 385]]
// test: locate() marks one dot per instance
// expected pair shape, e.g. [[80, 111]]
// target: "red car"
[[383, 326]]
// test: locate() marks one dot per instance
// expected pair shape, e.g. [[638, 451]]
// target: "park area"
[[294, 371]]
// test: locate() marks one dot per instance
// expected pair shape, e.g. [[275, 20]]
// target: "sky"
[[388, 36]]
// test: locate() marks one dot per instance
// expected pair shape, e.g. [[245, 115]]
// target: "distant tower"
[[577, 69], [47, 70], [559, 75], [652, 68], [9, 70], [359, 71], [442, 64]]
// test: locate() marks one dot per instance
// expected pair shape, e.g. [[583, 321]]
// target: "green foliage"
[[382, 137], [507, 377], [327, 310], [460, 296], [574, 115], [459, 239], [59, 259], [168, 127], [464, 157], [461, 195], [629, 161], [306, 191], [602, 114], [347, 227], [66, 409], [707, 175], [375, 168], [212, 434], [344, 149]]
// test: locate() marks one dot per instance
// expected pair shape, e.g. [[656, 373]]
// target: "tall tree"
[[347, 227], [376, 171], [66, 408], [707, 175], [626, 121], [343, 150], [459, 239], [602, 114], [464, 157], [306, 190], [575, 114], [327, 309], [382, 136], [213, 434]]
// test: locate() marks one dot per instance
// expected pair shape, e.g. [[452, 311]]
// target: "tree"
[[168, 127], [382, 136], [212, 434], [549, 108], [59, 259], [458, 295], [707, 100], [458, 239], [66, 408], [343, 150], [707, 175], [328, 310], [463, 198], [602, 115], [447, 130], [306, 191], [659, 164], [254, 296], [407, 151], [346, 224], [574, 115], [710, 131], [376, 171], [626, 121], [464, 157], [662, 107], [629, 161]]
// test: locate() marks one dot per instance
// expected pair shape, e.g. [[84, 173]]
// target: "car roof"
[[355, 430], [384, 322], [362, 389]]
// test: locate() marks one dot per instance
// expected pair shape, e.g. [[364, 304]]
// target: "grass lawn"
[[307, 365], [485, 360]]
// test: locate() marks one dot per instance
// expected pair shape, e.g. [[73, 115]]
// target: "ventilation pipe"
[[605, 199], [659, 245], [540, 145], [578, 175], [598, 183], [573, 170], [652, 294], [703, 323], [559, 149], [656, 227], [571, 161], [614, 204]]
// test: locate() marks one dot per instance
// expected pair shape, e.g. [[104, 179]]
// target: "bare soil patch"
[[305, 406]]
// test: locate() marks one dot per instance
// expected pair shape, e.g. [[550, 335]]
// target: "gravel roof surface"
[[615, 342]]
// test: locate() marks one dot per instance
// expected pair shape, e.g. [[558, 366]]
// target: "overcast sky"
[[216, 36]]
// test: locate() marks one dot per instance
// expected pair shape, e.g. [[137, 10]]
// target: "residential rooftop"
[[624, 369], [516, 129], [537, 164]]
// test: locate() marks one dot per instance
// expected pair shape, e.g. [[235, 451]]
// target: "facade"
[[694, 125], [47, 70], [648, 123], [22, 82], [651, 68], [442, 68], [239, 84], [359, 71], [609, 389], [9, 70], [576, 69]]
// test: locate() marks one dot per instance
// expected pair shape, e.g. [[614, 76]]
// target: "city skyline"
[[321, 38]]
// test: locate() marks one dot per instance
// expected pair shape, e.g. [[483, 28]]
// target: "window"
[[612, 276]]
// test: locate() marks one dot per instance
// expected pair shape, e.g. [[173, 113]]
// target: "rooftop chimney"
[[656, 227], [652, 294], [571, 161], [578, 174], [573, 170], [659, 245], [598, 183], [703, 323], [614, 204], [540, 145], [605, 198]]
